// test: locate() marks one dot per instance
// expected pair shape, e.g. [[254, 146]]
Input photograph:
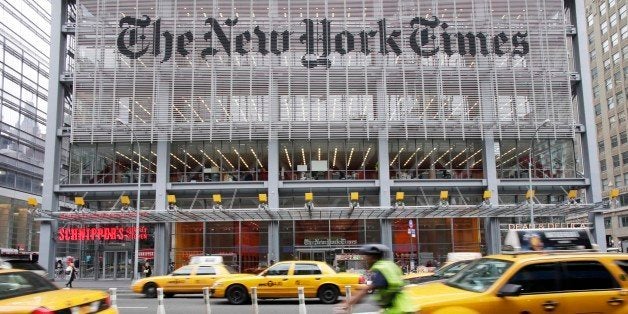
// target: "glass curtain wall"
[[550, 159], [435, 159], [435, 237], [111, 163], [220, 161], [328, 160], [17, 226]]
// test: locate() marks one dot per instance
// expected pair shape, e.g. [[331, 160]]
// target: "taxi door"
[[204, 277], [274, 282], [308, 276], [179, 280], [591, 288], [540, 291]]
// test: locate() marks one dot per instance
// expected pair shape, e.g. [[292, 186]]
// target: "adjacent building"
[[24, 59], [265, 131]]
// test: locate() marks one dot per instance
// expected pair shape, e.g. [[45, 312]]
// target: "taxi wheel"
[[328, 294], [237, 295], [150, 290]]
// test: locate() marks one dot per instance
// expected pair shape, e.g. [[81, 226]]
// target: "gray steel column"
[[588, 138], [52, 161], [491, 224], [384, 188], [162, 230], [273, 198]]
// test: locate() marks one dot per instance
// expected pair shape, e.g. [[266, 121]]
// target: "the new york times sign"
[[428, 37]]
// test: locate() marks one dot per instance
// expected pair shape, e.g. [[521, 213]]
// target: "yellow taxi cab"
[[447, 271], [559, 282], [22, 291], [282, 280], [185, 280]]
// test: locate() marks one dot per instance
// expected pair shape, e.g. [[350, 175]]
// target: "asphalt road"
[[193, 304]]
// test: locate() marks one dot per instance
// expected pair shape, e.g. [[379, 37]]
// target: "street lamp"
[[137, 213], [530, 193]]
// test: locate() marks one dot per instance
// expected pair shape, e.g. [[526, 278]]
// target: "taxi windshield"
[[16, 284], [479, 275]]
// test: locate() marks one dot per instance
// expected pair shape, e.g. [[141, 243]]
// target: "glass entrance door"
[[321, 255], [116, 266]]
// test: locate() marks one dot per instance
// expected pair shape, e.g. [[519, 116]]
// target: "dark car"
[[442, 273], [24, 265]]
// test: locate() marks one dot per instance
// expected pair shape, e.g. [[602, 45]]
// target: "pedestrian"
[[70, 271], [148, 270], [386, 281]]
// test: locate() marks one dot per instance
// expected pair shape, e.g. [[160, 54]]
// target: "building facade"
[[607, 25], [24, 58], [283, 130]]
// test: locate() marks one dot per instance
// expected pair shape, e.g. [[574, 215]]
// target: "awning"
[[201, 215]]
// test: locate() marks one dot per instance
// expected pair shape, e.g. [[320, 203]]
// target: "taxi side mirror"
[[509, 290]]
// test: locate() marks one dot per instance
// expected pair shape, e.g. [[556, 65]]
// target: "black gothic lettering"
[[469, 38], [125, 49], [168, 50], [261, 40], [425, 36], [285, 39], [350, 43], [181, 42], [156, 37], [497, 41], [224, 41], [364, 41], [308, 60], [519, 40], [447, 40], [240, 42]]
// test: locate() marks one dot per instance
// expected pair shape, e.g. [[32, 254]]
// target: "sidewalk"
[[124, 286]]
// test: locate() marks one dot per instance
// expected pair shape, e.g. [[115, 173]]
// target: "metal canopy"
[[203, 215]]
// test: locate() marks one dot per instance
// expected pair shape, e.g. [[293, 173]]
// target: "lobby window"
[[435, 159], [623, 221], [550, 159], [614, 141], [219, 161], [111, 163], [616, 162], [328, 160]]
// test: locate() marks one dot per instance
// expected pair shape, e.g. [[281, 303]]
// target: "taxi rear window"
[[15, 284], [623, 264]]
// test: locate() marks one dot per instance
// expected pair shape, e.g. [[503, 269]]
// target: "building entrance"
[[321, 255], [117, 265]]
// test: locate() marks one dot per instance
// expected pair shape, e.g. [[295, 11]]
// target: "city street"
[[129, 302]]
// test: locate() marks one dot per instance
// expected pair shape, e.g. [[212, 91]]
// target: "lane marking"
[[133, 307]]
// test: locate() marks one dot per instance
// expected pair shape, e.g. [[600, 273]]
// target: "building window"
[[615, 39], [603, 8], [612, 122], [622, 12], [625, 52], [624, 32], [602, 165], [604, 27], [607, 64], [596, 90], [616, 162], [594, 73], [611, 102], [607, 222], [616, 57], [618, 181], [625, 178], [609, 84], [623, 137], [613, 19], [511, 158], [604, 182], [598, 109], [600, 146], [622, 116], [614, 141], [592, 55], [605, 46], [611, 3], [624, 157], [590, 19], [619, 98], [623, 221]]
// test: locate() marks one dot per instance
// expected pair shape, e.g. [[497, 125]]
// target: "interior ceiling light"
[[181, 161], [459, 154], [365, 156], [462, 163], [210, 159], [225, 158], [426, 156], [350, 156], [196, 160], [257, 159], [241, 159], [333, 164], [441, 156], [319, 153], [397, 156], [288, 158], [412, 156], [303, 156]]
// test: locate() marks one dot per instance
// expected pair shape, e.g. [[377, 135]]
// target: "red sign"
[[101, 233], [147, 253]]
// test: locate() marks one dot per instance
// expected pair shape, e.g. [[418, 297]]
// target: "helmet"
[[374, 249]]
